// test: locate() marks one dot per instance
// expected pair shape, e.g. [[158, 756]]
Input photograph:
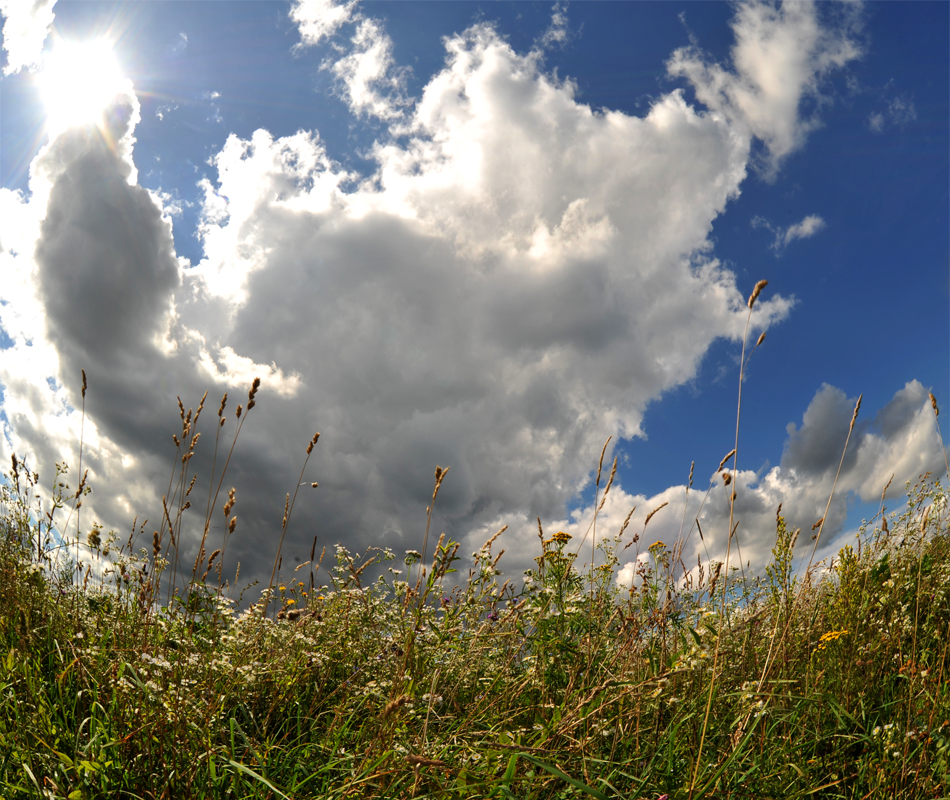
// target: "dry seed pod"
[[933, 402], [726, 478]]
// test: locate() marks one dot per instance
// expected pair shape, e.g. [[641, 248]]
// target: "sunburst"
[[78, 82]]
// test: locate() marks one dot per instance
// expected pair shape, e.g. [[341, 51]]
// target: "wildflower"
[[829, 637], [656, 545]]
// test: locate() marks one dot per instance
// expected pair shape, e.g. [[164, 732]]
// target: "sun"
[[77, 83]]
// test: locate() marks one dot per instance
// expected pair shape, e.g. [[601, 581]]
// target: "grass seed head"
[[251, 402], [854, 416], [725, 458], [650, 515], [756, 292], [626, 522]]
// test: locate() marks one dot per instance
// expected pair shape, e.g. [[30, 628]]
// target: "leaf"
[[260, 778], [565, 777]]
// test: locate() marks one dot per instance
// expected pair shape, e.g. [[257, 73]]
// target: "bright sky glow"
[[78, 81]]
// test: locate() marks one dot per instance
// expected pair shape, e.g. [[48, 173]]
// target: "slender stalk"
[[288, 510], [732, 506], [82, 430]]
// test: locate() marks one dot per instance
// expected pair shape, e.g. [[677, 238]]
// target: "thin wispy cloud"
[[784, 236], [900, 111]]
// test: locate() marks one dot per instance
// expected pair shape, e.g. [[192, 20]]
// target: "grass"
[[832, 683]]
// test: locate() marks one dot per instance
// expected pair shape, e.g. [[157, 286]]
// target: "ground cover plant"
[[126, 672]]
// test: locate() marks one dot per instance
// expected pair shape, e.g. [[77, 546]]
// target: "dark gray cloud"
[[816, 446]]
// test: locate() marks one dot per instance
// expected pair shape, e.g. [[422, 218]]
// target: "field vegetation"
[[127, 673]]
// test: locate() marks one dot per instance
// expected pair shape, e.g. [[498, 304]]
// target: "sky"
[[485, 236]]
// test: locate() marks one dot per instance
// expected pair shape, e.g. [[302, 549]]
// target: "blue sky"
[[489, 236]]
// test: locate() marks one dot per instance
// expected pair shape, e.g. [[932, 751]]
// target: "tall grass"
[[831, 684]]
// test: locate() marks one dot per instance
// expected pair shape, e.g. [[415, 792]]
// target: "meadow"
[[127, 672]]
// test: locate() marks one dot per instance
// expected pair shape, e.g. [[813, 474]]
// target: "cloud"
[[517, 280], [805, 229], [558, 32], [899, 113], [782, 56], [897, 445], [320, 19], [372, 83], [181, 43], [26, 25]]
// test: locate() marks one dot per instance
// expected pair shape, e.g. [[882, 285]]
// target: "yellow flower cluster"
[[829, 637]]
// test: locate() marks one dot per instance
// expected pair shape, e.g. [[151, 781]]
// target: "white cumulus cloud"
[[26, 24], [781, 57], [320, 19], [371, 81], [897, 445]]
